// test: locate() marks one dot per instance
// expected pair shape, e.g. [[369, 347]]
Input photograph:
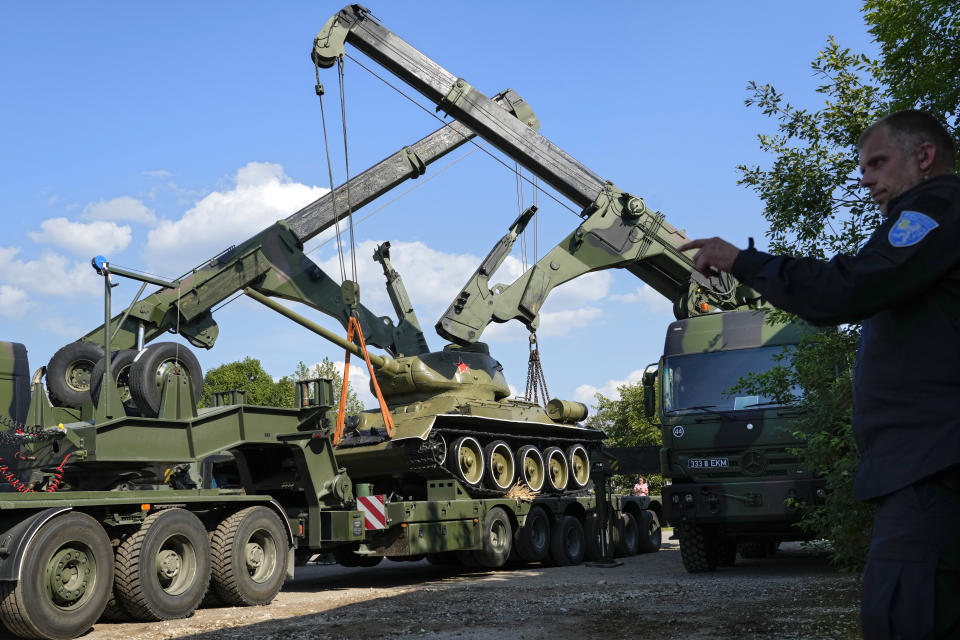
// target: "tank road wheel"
[[152, 364], [66, 578], [68, 373], [465, 460], [651, 534], [497, 537], [120, 362], [698, 548], [163, 568], [626, 536], [579, 461], [566, 542], [532, 470], [531, 542], [248, 555], [558, 472], [499, 470]]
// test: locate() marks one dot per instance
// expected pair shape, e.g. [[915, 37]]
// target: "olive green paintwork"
[[14, 381], [758, 472]]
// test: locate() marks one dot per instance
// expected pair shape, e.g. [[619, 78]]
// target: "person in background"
[[641, 488]]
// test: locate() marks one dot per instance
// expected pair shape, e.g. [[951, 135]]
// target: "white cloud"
[[50, 274], [156, 173], [124, 208], [648, 297], [83, 238], [13, 301], [262, 194], [586, 392]]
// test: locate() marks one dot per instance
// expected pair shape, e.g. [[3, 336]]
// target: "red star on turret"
[[462, 366]]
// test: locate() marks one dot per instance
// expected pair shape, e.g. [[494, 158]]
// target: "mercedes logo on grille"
[[753, 463]]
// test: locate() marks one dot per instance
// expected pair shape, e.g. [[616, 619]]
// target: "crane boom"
[[618, 229]]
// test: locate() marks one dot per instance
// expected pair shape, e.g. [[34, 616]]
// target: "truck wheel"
[[698, 548], [68, 373], [163, 568], [152, 364], [248, 554], [591, 538], [532, 541], [499, 469], [566, 543], [626, 536], [120, 363], [651, 534], [558, 471], [497, 539], [67, 575]]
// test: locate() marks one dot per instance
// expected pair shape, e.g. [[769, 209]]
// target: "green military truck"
[[101, 518], [737, 478]]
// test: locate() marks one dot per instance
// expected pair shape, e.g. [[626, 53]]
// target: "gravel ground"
[[793, 595]]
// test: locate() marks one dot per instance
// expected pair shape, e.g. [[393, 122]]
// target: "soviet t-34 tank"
[[448, 415]]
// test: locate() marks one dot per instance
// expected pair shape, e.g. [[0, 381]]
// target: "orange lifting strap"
[[354, 325]]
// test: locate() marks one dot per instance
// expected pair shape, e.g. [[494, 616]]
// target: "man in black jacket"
[[904, 287]]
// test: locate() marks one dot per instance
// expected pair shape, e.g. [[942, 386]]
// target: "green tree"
[[327, 369], [625, 424], [815, 207], [247, 375]]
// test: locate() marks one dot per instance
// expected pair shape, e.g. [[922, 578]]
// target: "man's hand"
[[715, 255]]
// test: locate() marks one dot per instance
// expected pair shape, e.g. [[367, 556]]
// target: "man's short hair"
[[911, 128]]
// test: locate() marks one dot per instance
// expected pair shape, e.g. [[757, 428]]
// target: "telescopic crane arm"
[[618, 229], [273, 263]]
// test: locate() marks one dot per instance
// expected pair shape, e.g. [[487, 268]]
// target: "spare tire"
[[120, 363], [68, 373], [151, 365]]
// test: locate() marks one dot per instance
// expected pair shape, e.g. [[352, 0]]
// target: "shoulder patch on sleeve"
[[910, 228]]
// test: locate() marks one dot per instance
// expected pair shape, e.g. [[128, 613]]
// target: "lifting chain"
[[536, 382]]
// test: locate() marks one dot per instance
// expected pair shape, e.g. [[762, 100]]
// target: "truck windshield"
[[706, 379]]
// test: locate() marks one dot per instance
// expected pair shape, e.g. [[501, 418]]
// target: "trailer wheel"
[[698, 548], [497, 539], [532, 541], [68, 373], [651, 533], [248, 555], [120, 363], [566, 543], [67, 577], [626, 536], [163, 568], [152, 364]]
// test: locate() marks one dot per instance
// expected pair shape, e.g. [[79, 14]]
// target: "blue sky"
[[159, 134]]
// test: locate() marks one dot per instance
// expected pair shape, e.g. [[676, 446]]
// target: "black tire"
[[497, 539], [41, 604], [651, 533], [698, 548], [592, 550], [175, 588], [69, 371], [248, 552], [626, 536], [149, 367], [120, 363], [114, 611], [566, 542], [531, 542]]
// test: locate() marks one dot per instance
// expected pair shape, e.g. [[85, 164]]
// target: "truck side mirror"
[[650, 390]]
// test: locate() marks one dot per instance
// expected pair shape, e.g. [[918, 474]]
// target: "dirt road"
[[795, 595]]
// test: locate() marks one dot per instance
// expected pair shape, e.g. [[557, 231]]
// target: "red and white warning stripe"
[[374, 511]]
